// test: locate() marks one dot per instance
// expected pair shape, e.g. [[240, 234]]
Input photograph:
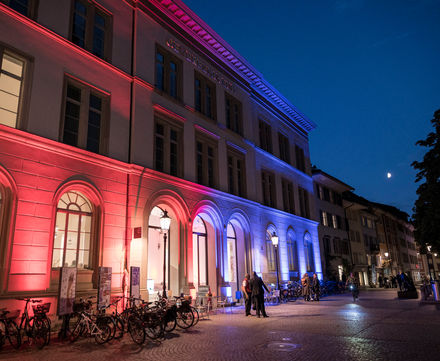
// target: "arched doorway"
[[155, 253], [206, 265], [200, 253], [232, 266]]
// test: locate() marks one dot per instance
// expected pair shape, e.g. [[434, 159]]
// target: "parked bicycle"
[[9, 329], [89, 324], [37, 327]]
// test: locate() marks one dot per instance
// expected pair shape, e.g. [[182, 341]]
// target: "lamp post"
[[165, 226], [275, 241]]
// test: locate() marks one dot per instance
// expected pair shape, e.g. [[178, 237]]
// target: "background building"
[[332, 230], [112, 112]]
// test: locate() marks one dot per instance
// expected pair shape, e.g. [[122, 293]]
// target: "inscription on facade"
[[200, 64]]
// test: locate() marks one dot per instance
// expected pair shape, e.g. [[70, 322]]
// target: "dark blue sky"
[[367, 72]]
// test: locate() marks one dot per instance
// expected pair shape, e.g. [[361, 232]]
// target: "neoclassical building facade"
[[112, 112]]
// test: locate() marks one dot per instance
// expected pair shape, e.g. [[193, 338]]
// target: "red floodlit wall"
[[39, 167]]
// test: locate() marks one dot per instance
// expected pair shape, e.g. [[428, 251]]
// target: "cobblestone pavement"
[[377, 327]]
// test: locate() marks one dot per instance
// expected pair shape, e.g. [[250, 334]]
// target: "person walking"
[[257, 287], [315, 287], [305, 283], [247, 292]]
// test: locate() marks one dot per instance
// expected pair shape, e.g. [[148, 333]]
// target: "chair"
[[202, 305], [223, 301]]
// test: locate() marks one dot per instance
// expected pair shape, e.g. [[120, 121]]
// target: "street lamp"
[[165, 226], [275, 241]]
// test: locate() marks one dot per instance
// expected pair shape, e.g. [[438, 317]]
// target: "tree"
[[426, 210]]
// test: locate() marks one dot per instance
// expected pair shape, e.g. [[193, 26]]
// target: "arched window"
[[308, 253], [292, 251], [73, 232], [200, 252], [270, 251], [232, 259]]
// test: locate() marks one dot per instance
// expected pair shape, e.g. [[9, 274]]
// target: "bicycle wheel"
[[104, 333], [169, 324], [136, 329], [119, 327], [2, 337], [185, 319], [13, 335], [108, 320], [154, 328], [40, 332], [76, 330]]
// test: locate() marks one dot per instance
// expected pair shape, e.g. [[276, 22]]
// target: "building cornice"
[[187, 20]]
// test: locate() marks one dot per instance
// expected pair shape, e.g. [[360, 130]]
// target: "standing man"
[[257, 286], [247, 292], [315, 287]]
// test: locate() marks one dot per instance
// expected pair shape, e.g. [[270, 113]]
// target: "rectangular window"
[[334, 221], [324, 219], [234, 117], [236, 173], [337, 198], [206, 161], [304, 203], [300, 159], [204, 96], [265, 131], [283, 142], [12, 72], [344, 247], [85, 121], [168, 73], [24, 7], [168, 157], [91, 28], [288, 197], [268, 186]]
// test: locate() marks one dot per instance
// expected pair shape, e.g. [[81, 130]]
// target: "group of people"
[[310, 287], [401, 280], [253, 290]]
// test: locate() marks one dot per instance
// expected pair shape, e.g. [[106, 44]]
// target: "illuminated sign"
[[200, 64]]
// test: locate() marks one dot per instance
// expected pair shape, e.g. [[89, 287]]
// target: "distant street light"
[[165, 222], [275, 241]]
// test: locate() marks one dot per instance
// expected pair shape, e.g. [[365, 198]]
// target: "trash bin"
[[435, 290]]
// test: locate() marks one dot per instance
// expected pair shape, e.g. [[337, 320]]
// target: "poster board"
[[135, 284], [104, 286], [67, 290]]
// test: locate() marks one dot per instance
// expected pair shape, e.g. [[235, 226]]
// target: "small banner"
[[135, 284], [104, 286], [67, 290]]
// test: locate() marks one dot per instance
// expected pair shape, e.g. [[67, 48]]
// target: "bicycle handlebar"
[[28, 300]]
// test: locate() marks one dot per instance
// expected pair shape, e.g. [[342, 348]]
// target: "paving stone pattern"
[[377, 327]]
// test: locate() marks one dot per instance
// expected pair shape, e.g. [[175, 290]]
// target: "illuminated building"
[[112, 111]]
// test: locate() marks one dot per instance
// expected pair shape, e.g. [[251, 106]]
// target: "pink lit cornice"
[[179, 13], [161, 109]]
